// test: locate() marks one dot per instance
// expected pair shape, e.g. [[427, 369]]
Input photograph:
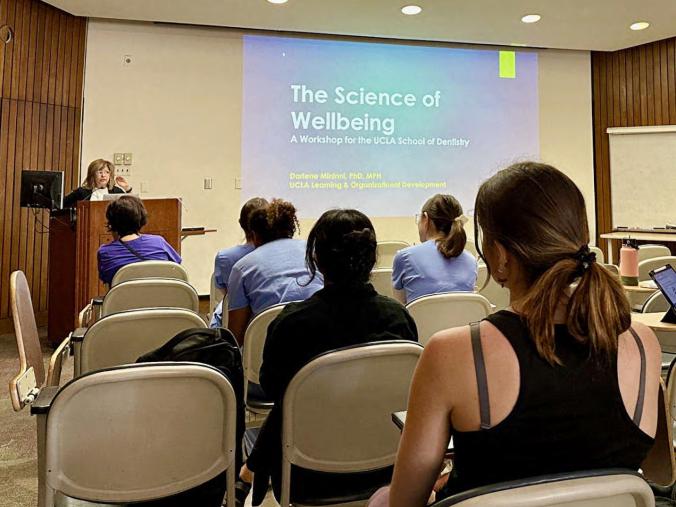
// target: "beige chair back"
[[646, 252], [381, 279], [659, 466], [656, 303], [216, 295], [612, 490], [254, 342], [337, 409], [149, 269], [648, 265], [385, 252], [470, 246], [141, 432], [444, 311], [122, 337], [600, 258], [498, 296], [26, 331], [613, 269], [150, 293]]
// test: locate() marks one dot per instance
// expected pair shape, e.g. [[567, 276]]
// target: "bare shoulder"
[[649, 340]]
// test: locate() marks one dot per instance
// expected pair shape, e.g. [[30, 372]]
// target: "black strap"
[[481, 380], [132, 250], [638, 411]]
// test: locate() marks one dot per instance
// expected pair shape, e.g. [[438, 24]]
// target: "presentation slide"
[[381, 127]]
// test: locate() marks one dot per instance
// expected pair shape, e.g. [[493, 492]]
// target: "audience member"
[[126, 216], [440, 263], [347, 311], [563, 366], [226, 258], [100, 180], [274, 272]]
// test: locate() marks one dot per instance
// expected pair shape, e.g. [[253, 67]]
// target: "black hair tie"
[[585, 257]]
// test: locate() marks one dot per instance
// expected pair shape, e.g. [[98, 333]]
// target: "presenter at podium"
[[100, 180]]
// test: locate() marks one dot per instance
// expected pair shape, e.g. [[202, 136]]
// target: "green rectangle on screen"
[[508, 64]]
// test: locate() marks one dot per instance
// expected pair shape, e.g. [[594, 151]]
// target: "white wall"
[[177, 108]]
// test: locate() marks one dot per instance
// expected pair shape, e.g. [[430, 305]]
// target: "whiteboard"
[[643, 176]]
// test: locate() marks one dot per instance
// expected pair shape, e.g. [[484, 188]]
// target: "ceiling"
[[601, 25]]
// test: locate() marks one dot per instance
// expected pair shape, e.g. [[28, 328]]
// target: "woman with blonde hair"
[[561, 381], [100, 180]]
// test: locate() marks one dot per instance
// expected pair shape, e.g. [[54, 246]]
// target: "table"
[[655, 235], [195, 231], [653, 321]]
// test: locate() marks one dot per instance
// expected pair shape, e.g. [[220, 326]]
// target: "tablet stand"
[[670, 316]]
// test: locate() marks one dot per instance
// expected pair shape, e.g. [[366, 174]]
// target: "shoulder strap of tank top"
[[638, 411], [481, 380]]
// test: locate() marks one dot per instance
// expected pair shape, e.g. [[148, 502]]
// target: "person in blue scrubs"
[[440, 263], [275, 272], [226, 258]]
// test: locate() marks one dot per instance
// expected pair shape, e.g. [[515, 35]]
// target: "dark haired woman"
[[440, 263], [274, 272], [570, 383], [347, 311], [126, 216], [226, 258]]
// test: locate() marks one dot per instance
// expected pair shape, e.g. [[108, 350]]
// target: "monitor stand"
[[670, 316]]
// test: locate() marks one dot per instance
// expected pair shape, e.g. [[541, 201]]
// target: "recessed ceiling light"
[[639, 25], [411, 10], [531, 18], [278, 1]]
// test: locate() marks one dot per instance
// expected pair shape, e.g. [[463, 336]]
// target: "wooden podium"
[[74, 239]]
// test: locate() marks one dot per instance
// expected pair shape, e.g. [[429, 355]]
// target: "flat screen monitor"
[[42, 189]]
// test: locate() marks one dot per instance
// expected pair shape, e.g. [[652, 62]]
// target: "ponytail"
[[445, 212], [598, 310], [453, 244]]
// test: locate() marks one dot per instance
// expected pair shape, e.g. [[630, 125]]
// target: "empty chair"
[[31, 377], [612, 268], [498, 296], [381, 279], [252, 358], [656, 303], [648, 265], [150, 293], [594, 488], [600, 258], [385, 252], [150, 269], [352, 431], [123, 337], [139, 433], [216, 295], [646, 252], [443, 311]]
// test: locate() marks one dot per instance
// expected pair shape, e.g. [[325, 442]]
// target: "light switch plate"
[[118, 158], [208, 183], [238, 183], [127, 159]]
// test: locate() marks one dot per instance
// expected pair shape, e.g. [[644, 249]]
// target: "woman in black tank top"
[[559, 382]]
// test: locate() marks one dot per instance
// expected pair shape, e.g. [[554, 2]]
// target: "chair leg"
[[285, 501], [45, 497]]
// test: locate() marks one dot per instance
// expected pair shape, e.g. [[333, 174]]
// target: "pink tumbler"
[[629, 262]]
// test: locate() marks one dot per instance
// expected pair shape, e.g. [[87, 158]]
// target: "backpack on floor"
[[217, 348]]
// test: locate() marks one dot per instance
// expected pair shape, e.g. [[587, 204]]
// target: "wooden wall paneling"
[[41, 74], [630, 88]]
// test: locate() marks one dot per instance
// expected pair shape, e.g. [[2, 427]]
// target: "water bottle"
[[629, 262]]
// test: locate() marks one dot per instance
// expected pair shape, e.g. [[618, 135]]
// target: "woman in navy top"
[[561, 381], [126, 216], [275, 272], [440, 263]]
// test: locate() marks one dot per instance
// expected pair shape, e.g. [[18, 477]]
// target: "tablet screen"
[[665, 278]]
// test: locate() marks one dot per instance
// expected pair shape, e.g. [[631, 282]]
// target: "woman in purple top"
[[126, 216]]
